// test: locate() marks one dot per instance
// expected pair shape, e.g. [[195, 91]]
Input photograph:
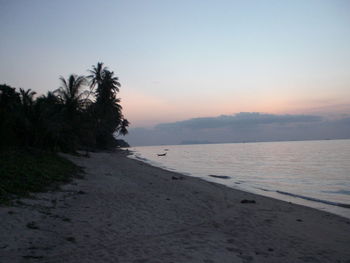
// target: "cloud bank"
[[242, 127]]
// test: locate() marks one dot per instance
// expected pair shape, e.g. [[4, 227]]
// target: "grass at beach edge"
[[25, 171]]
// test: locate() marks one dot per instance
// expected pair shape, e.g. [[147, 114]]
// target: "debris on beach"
[[246, 201], [177, 178], [70, 239], [32, 257], [32, 225]]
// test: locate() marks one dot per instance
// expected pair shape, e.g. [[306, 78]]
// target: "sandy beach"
[[127, 211]]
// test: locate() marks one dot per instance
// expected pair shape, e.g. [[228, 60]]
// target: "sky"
[[179, 60]]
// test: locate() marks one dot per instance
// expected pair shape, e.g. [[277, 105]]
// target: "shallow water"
[[311, 173]]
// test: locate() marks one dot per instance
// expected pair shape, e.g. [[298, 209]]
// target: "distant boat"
[[220, 176], [161, 154]]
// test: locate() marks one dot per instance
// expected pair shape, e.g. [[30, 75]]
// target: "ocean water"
[[311, 173]]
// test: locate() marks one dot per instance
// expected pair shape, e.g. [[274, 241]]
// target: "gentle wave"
[[311, 173], [315, 199], [263, 189]]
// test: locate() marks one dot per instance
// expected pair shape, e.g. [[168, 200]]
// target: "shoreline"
[[309, 189], [128, 211], [339, 209]]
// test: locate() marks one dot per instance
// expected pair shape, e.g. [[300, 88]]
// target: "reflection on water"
[[312, 173]]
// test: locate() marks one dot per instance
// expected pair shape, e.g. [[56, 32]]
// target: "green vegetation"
[[84, 113], [24, 171]]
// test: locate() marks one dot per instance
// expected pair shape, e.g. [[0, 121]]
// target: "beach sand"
[[127, 211]]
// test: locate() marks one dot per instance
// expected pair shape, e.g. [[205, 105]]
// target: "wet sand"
[[127, 211]]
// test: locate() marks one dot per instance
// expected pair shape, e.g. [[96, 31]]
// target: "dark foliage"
[[106, 111], [83, 113], [24, 171]]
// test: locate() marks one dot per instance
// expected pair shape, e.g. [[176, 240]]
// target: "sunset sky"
[[178, 60]]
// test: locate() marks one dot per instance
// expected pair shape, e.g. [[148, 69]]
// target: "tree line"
[[83, 113]]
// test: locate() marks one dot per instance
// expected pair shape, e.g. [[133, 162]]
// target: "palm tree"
[[107, 83], [107, 109], [49, 122], [123, 127], [73, 99], [10, 116], [70, 92], [96, 74], [27, 97], [26, 114]]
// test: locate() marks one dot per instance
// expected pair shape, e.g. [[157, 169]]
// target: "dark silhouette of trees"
[[107, 110], [71, 97], [70, 93], [124, 127], [83, 113], [26, 114], [10, 105], [27, 98], [96, 74]]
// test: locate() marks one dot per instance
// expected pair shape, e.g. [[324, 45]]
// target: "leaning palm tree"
[[123, 127]]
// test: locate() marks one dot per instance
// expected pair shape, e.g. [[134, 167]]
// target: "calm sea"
[[311, 173]]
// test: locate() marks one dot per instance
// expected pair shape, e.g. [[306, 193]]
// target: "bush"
[[24, 171]]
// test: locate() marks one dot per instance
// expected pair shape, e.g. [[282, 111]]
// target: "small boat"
[[161, 154], [220, 176]]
